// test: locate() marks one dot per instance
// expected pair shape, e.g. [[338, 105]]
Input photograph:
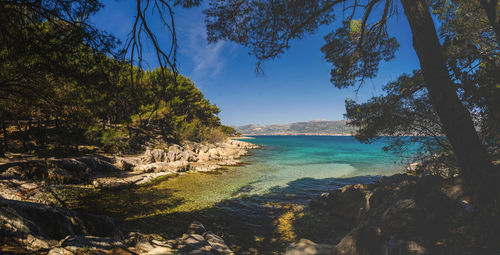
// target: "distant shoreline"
[[241, 137], [299, 134], [249, 136]]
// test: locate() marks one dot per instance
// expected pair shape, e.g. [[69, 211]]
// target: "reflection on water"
[[244, 204]]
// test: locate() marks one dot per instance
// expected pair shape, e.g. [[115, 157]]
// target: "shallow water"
[[243, 203]]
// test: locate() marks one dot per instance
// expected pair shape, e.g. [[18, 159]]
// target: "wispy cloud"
[[208, 58]]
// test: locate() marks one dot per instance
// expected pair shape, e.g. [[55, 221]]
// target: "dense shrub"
[[115, 140], [214, 135]]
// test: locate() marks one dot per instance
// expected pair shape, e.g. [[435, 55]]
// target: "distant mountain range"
[[313, 127]]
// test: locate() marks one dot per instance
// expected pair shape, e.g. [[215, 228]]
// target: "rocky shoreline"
[[33, 218], [31, 180], [29, 228], [191, 156], [399, 214]]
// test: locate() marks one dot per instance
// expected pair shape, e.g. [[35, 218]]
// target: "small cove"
[[244, 204]]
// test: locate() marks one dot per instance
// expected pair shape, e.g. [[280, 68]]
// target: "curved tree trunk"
[[457, 123], [490, 8]]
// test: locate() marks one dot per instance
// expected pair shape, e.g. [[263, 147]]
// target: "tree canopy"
[[64, 82], [456, 88]]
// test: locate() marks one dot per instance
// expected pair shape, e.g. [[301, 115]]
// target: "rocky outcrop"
[[35, 228], [401, 214], [110, 172], [196, 241], [308, 247], [33, 180], [58, 171], [190, 156], [193, 156]]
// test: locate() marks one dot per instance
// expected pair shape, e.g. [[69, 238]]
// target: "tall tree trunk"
[[23, 136], [5, 143], [40, 140], [457, 123], [2, 150], [490, 7]]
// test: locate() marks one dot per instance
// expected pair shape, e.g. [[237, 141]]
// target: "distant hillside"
[[299, 128]]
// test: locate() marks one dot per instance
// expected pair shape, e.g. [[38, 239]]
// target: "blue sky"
[[294, 88]]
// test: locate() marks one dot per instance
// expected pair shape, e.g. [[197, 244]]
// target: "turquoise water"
[[249, 205], [285, 159]]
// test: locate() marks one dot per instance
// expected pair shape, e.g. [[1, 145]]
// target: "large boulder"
[[188, 156], [72, 165], [172, 156], [126, 164], [99, 164], [200, 241], [38, 226], [13, 172], [401, 214], [153, 156], [204, 156], [62, 176], [34, 170], [218, 246], [308, 247], [196, 228], [353, 198]]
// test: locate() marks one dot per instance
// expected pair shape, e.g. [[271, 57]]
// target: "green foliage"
[[182, 114], [136, 104], [405, 109], [115, 140], [57, 68], [93, 134], [228, 130], [196, 131], [192, 131], [214, 135], [355, 53], [133, 111]]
